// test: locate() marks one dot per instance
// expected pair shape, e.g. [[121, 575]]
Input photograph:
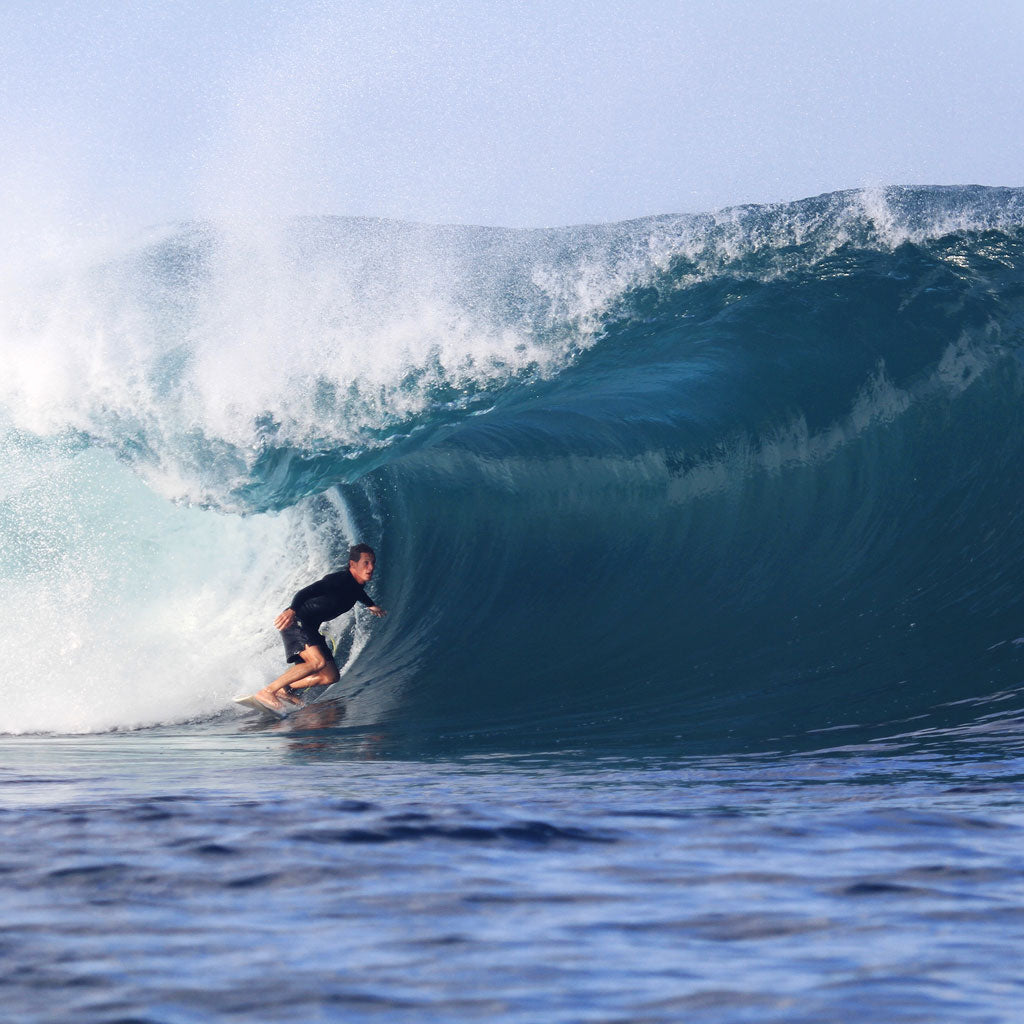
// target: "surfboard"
[[250, 701]]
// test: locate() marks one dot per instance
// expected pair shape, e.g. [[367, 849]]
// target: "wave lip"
[[244, 367]]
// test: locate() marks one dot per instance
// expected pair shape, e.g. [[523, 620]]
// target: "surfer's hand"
[[285, 619], [379, 612]]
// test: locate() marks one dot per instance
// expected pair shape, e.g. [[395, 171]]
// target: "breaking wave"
[[730, 481]]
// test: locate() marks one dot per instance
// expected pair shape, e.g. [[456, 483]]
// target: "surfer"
[[299, 624]]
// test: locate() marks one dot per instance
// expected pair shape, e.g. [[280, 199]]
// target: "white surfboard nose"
[[252, 701]]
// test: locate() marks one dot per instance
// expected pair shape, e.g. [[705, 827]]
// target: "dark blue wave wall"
[[764, 505]]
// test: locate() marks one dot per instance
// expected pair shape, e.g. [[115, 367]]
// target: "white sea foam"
[[194, 357], [124, 611]]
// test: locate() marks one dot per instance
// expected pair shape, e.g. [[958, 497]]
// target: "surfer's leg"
[[315, 669], [293, 675], [325, 671], [325, 678]]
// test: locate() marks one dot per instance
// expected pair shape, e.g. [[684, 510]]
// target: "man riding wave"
[[304, 645]]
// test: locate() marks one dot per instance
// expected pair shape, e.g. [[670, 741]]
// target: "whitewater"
[[700, 692]]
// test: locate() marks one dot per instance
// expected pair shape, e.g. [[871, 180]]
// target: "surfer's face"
[[362, 571]]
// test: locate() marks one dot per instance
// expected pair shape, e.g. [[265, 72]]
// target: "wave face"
[[729, 481]]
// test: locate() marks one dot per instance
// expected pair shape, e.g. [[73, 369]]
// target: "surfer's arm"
[[318, 589], [288, 616], [365, 599]]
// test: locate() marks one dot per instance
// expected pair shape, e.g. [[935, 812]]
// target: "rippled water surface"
[[190, 876]]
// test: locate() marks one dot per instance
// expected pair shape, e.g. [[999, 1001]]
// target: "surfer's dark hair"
[[358, 550]]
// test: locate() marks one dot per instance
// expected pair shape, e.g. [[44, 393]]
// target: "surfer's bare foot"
[[289, 695], [270, 699]]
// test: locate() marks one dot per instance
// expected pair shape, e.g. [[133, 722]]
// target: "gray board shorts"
[[297, 637]]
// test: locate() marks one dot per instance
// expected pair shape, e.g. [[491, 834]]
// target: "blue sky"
[[523, 114]]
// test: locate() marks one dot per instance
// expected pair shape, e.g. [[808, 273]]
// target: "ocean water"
[[700, 694]]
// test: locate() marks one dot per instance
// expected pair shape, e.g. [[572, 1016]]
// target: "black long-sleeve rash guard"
[[327, 598]]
